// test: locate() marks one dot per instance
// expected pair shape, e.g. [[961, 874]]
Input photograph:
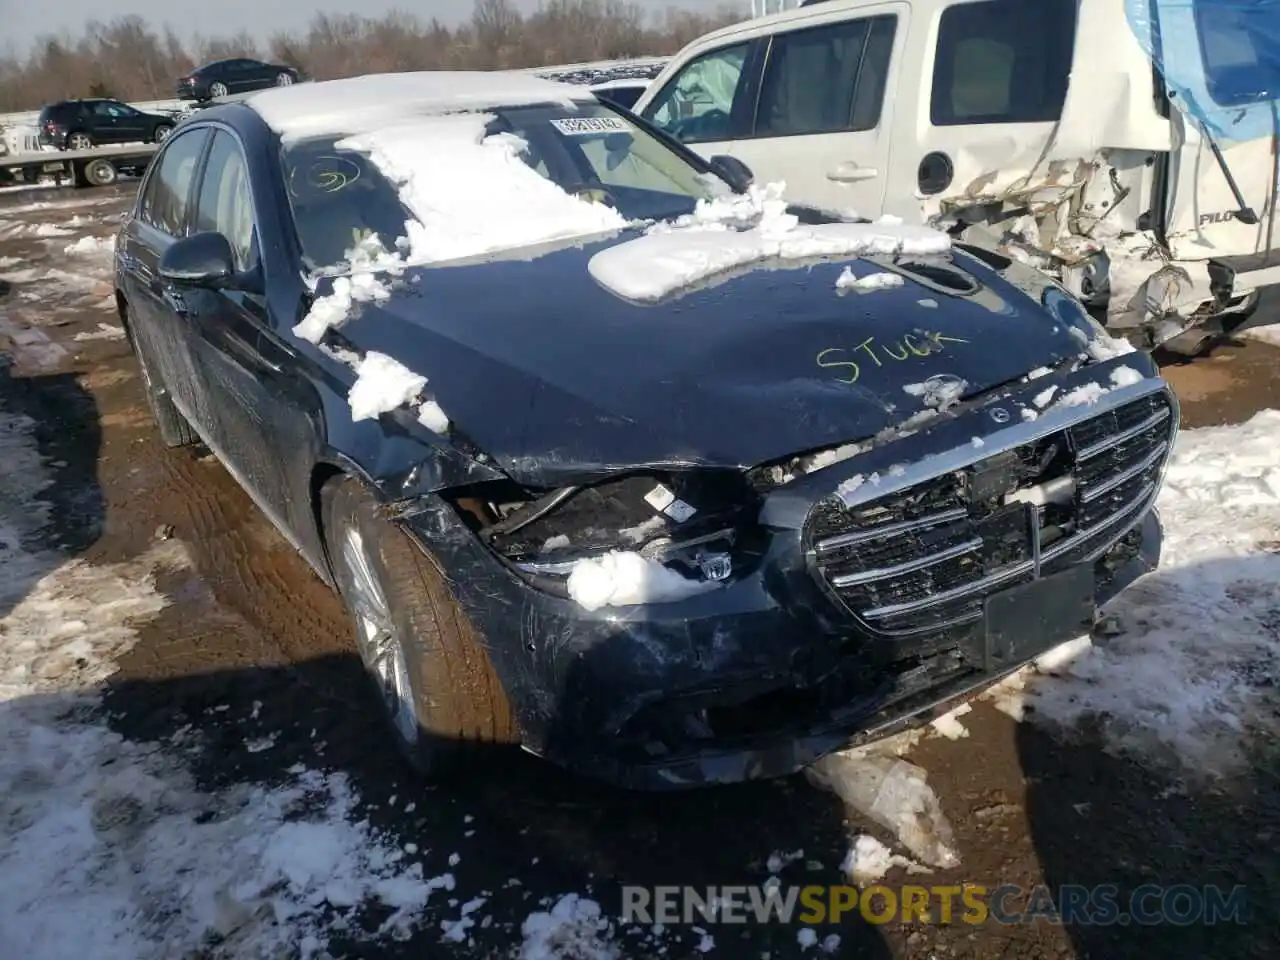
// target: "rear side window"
[[165, 200], [1003, 61], [826, 79], [225, 205], [697, 105]]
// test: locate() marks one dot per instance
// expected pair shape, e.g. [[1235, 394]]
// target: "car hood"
[[556, 378]]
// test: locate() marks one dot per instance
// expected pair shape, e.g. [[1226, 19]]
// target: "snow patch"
[[848, 280], [1190, 678], [104, 331], [90, 245], [471, 194], [938, 392], [868, 860], [573, 928], [729, 232], [358, 104], [382, 384], [623, 578], [948, 725]]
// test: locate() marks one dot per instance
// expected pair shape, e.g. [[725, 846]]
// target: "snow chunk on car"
[[471, 194], [726, 233], [622, 578]]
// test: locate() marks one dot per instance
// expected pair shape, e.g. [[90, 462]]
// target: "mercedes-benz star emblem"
[[999, 414]]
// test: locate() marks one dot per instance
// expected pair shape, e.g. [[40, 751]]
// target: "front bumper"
[[763, 676]]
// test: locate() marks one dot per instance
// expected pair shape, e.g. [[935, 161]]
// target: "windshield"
[[339, 196]]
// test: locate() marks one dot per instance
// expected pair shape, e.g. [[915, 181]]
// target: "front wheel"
[[162, 132], [426, 659], [284, 79]]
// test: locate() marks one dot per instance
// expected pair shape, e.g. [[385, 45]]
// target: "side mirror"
[[733, 171], [201, 260]]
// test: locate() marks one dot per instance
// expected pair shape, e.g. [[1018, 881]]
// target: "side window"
[[697, 106], [226, 205], [1003, 61], [164, 204], [1239, 68], [826, 79]]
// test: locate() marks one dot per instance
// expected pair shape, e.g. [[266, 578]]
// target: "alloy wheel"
[[381, 651]]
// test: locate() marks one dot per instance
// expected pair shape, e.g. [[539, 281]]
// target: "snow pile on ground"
[[90, 245], [621, 578], [868, 860], [104, 331], [894, 794], [730, 232], [1192, 677], [110, 843], [573, 929], [1267, 333], [848, 280]]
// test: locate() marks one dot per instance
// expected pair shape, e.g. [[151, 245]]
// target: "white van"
[[1036, 127]]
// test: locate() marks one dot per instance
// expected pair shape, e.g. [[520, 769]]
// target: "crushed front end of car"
[[829, 598]]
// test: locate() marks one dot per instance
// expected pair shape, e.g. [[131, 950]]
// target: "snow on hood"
[[359, 104], [740, 230]]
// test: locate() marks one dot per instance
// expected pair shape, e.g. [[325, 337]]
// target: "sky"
[[25, 20]]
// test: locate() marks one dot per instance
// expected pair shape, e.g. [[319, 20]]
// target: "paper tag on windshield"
[[585, 126]]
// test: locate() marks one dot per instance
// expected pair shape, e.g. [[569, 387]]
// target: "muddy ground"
[[253, 645]]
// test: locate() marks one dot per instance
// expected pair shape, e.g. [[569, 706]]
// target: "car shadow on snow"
[[510, 827], [55, 418], [1101, 818]]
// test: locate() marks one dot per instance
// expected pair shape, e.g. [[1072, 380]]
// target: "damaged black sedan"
[[611, 453]]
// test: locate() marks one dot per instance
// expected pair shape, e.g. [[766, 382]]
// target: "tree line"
[[130, 59]]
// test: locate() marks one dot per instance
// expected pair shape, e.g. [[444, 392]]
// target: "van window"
[[697, 106], [1003, 61], [826, 79], [1237, 50]]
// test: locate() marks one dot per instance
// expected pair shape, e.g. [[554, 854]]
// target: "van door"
[[1219, 61], [993, 80], [821, 121]]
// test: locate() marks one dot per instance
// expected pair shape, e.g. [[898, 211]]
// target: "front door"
[[807, 106], [156, 321]]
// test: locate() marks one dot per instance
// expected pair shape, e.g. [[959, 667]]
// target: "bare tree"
[[133, 60]]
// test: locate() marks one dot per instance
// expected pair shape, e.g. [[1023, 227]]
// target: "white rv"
[[1039, 128]]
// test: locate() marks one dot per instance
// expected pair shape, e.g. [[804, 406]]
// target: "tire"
[[79, 141], [217, 89], [161, 133], [95, 173], [174, 429], [284, 79], [426, 659]]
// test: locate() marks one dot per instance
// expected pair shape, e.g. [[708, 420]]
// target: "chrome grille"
[[923, 559]]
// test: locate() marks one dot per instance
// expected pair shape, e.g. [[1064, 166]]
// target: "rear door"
[[1222, 57], [130, 126], [163, 213]]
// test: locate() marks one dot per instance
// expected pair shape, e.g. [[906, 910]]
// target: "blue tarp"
[[1219, 58]]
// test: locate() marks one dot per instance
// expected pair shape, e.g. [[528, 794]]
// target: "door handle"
[[851, 172]]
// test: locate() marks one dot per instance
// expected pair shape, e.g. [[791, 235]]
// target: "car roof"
[[362, 103]]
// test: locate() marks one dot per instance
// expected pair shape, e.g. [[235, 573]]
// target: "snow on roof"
[[359, 104]]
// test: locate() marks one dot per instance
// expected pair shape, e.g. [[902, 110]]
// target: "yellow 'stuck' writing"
[[850, 361]]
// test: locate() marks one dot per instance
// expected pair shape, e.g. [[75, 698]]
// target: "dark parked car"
[[81, 124], [702, 537], [236, 75]]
